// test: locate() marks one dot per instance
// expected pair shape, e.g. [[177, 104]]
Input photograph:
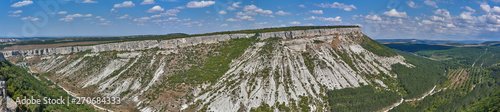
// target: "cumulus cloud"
[[337, 5], [253, 8], [329, 19], [295, 23], [29, 18], [22, 3], [232, 20], [373, 17], [302, 6], [143, 19], [223, 25], [145, 2], [487, 9], [282, 13], [14, 15], [199, 4], [222, 12], [69, 18], [123, 17], [124, 4], [431, 3], [88, 1], [394, 13], [155, 9], [62, 12], [316, 11], [412, 4], [234, 6], [427, 22], [450, 25], [16, 12], [469, 9], [170, 12]]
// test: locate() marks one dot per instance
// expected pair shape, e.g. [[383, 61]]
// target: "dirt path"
[[409, 100], [479, 57]]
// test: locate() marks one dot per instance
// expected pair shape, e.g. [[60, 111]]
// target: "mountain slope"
[[227, 72]]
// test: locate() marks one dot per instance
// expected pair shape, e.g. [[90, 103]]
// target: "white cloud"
[[16, 12], [469, 9], [486, 8], [394, 13], [281, 13], [436, 18], [143, 19], [22, 3], [427, 22], [62, 12], [412, 4], [316, 11], [155, 9], [29, 18], [124, 4], [450, 25], [236, 4], [200, 4], [232, 19], [250, 9], [338, 6], [295, 23], [223, 25], [442, 13], [222, 12], [69, 18], [88, 1], [431, 3], [329, 19], [466, 16], [145, 2], [123, 17], [373, 17], [170, 12], [231, 8], [302, 6], [14, 15]]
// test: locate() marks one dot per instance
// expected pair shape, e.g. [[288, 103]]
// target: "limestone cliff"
[[297, 65]]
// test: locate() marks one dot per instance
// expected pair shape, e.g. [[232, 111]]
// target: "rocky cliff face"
[[182, 42], [296, 66]]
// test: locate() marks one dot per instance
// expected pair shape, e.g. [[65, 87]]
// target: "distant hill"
[[418, 41]]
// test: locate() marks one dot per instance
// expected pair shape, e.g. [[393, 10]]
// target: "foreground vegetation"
[[361, 99], [20, 84]]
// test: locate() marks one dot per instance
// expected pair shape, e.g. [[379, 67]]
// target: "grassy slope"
[[20, 83]]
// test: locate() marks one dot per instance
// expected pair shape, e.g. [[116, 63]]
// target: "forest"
[[20, 84]]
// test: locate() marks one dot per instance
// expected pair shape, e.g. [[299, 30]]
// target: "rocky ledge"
[[181, 42]]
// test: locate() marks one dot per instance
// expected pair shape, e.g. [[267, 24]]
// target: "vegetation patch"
[[20, 83], [216, 65], [377, 48], [361, 99]]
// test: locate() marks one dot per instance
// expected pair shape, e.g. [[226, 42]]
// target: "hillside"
[[280, 69], [472, 77]]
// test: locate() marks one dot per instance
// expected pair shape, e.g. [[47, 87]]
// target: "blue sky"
[[416, 19]]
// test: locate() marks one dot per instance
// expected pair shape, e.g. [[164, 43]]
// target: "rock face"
[[7, 104], [182, 42], [297, 65]]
